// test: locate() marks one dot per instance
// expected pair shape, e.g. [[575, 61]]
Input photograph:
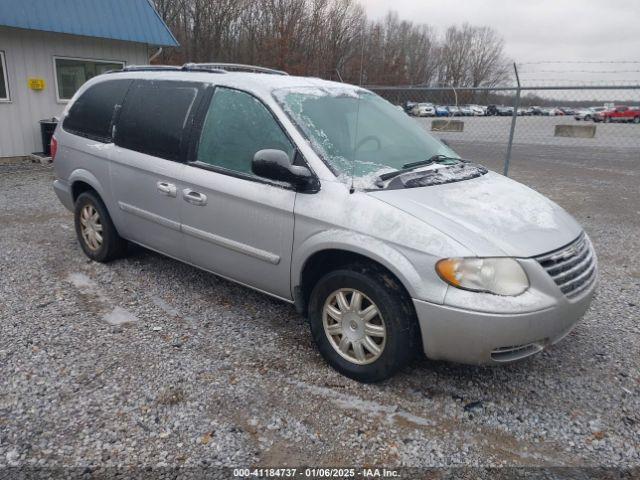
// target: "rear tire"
[[636, 120], [96, 233], [360, 346]]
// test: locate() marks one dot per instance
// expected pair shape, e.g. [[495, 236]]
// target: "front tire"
[[96, 233], [363, 322]]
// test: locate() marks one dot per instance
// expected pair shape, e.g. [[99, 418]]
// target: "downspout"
[[155, 55]]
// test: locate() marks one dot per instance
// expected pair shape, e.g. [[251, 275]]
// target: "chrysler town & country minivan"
[[323, 195]]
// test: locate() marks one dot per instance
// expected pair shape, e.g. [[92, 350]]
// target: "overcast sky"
[[541, 30]]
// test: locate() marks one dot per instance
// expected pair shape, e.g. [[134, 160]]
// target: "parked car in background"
[[442, 111], [408, 106], [491, 110], [598, 110], [477, 110], [536, 111], [498, 110], [504, 111], [466, 111], [568, 110], [454, 111], [245, 175], [423, 110], [585, 113], [619, 113]]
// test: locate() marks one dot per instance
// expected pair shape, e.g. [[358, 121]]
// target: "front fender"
[[381, 252]]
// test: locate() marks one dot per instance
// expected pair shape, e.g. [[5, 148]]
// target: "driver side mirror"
[[276, 165]]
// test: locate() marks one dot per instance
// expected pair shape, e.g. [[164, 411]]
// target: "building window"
[[71, 73], [4, 84]]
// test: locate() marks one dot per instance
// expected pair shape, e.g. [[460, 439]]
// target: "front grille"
[[573, 267]]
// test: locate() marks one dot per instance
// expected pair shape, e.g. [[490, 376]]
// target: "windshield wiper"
[[422, 163]]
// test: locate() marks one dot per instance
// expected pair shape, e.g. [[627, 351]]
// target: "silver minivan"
[[326, 196]]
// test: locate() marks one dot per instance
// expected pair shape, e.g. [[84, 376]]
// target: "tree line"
[[332, 39]]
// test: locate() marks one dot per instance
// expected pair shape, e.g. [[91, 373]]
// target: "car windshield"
[[357, 133]]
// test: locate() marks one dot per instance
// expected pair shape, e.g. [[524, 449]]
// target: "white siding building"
[[45, 57]]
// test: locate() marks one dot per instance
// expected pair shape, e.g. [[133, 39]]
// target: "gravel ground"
[[207, 373]]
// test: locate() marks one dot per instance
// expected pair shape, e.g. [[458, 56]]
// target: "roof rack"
[[200, 67], [146, 68], [231, 67]]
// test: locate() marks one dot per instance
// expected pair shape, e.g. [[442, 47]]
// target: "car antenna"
[[355, 137]]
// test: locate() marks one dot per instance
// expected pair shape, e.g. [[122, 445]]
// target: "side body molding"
[[202, 235], [165, 222]]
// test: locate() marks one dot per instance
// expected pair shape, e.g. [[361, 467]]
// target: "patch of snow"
[[504, 204], [99, 146], [119, 316], [116, 315], [335, 90], [80, 280], [164, 306], [390, 413], [364, 182]]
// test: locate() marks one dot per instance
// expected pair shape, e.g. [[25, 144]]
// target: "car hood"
[[490, 215]]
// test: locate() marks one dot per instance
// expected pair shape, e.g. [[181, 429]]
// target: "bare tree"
[[486, 63], [472, 57], [331, 39]]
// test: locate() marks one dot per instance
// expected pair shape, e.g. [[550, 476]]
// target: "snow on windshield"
[[358, 134]]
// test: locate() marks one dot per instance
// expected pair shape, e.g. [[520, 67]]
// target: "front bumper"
[[483, 338]]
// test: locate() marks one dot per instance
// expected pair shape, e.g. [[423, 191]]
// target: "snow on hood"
[[491, 215]]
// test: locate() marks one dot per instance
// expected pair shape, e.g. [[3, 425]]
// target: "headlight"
[[501, 276]]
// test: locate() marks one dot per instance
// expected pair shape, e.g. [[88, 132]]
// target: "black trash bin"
[[47, 127]]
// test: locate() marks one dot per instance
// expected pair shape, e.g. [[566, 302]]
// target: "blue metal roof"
[[129, 20]]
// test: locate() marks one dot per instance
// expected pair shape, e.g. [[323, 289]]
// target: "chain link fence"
[[496, 125]]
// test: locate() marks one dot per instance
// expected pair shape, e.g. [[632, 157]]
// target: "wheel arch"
[[82, 180], [318, 256]]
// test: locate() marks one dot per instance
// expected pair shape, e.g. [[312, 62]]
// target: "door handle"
[[168, 189], [193, 197]]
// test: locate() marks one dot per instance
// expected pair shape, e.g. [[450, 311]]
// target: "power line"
[[591, 62], [573, 80], [586, 71]]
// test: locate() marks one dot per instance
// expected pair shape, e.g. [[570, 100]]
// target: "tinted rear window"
[[154, 116], [91, 114]]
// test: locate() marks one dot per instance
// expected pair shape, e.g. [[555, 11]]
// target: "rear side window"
[[154, 117], [91, 114]]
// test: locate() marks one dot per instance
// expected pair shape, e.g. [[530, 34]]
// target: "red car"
[[620, 113]]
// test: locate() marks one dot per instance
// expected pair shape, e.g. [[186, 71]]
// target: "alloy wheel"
[[354, 326], [91, 227]]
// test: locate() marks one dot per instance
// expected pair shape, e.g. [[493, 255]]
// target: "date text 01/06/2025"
[[315, 473]]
